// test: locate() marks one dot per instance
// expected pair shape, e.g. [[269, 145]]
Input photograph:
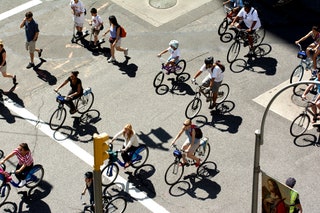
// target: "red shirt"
[[26, 160]]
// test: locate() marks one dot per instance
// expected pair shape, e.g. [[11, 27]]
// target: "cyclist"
[[236, 5], [130, 143], [314, 46], [213, 80], [316, 99], [250, 23], [174, 53], [75, 92], [191, 143], [88, 178], [25, 163]]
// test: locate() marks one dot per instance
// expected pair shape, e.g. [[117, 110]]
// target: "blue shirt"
[[31, 29]]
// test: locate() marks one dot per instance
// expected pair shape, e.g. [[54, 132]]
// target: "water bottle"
[[87, 91]]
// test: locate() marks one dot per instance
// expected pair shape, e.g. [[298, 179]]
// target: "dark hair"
[[24, 146], [29, 14], [113, 20], [75, 73], [247, 4], [88, 175], [316, 28], [291, 182], [93, 10]]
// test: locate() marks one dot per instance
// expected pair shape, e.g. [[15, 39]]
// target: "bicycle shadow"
[[177, 87], [44, 74], [200, 187], [263, 65], [306, 140]]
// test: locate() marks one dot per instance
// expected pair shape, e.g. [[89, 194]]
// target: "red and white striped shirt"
[[26, 160]]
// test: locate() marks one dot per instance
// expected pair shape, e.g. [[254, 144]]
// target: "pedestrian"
[[78, 11], [88, 179], [295, 205], [96, 25], [130, 144], [32, 34], [115, 39], [25, 162], [3, 64]]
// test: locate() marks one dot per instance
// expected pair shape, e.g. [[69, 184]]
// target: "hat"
[[291, 182]]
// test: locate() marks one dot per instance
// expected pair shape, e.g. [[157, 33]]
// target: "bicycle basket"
[[177, 153], [302, 54], [112, 156], [60, 99]]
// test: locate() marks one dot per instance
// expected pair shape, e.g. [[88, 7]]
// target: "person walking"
[[78, 11], [32, 34], [115, 39], [3, 64], [295, 205], [96, 25], [88, 179]]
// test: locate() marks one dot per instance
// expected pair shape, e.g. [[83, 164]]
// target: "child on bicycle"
[[130, 143], [88, 178], [174, 53], [191, 143]]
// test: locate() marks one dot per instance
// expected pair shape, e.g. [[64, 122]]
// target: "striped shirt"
[[26, 160]]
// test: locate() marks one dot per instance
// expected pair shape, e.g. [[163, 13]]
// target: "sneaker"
[[14, 79], [30, 65], [111, 60], [126, 52], [40, 52], [22, 183]]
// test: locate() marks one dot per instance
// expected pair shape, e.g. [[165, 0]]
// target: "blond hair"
[[128, 133], [1, 43]]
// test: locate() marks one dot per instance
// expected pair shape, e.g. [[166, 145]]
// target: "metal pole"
[[97, 188], [256, 171]]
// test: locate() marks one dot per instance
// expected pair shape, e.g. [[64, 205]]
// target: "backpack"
[[198, 131], [222, 67], [123, 32]]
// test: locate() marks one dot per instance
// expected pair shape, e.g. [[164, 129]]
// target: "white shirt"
[[174, 53], [96, 21], [78, 8], [133, 141], [216, 73], [250, 17]]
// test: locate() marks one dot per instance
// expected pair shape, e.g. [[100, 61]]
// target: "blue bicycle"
[[111, 170]]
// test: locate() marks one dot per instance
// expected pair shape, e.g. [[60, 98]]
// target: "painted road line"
[[80, 153], [19, 8]]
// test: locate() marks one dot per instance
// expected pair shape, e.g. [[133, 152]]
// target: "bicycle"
[[109, 204], [177, 69], [111, 170], [194, 107], [33, 179], [83, 104], [223, 27], [301, 123], [175, 170], [241, 37], [305, 64]]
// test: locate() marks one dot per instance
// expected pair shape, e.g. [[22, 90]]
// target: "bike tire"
[[233, 51], [298, 90], [140, 156], [226, 37], [173, 173], [262, 50], [4, 192], [112, 190], [57, 118], [299, 125], [203, 151], [84, 103], [223, 93], [180, 67], [260, 34], [8, 207], [35, 176], [116, 205], [109, 174], [193, 108], [158, 79], [297, 74], [1, 154], [223, 27]]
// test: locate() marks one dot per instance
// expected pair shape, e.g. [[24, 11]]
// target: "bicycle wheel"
[[140, 156], [116, 205], [112, 190], [158, 79], [259, 36], [109, 174], [223, 27], [180, 67], [298, 90], [35, 176], [297, 74], [1, 154], [8, 207], [57, 118], [223, 93], [203, 151], [193, 108], [4, 192], [84, 103], [299, 125], [233, 51], [173, 173], [262, 50]]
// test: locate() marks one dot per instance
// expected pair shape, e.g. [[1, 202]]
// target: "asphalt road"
[[124, 94]]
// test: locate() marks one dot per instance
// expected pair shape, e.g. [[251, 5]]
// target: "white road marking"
[[80, 153], [19, 8]]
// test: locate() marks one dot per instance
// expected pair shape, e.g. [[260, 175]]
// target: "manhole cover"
[[162, 4]]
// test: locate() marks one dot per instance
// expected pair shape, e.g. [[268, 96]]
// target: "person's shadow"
[[44, 74], [129, 69]]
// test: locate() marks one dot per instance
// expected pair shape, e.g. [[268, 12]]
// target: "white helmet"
[[174, 43]]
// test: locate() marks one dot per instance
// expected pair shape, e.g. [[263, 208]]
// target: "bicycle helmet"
[[247, 4], [174, 43], [88, 175], [291, 182], [208, 60]]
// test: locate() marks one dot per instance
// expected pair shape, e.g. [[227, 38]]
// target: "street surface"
[[124, 93]]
